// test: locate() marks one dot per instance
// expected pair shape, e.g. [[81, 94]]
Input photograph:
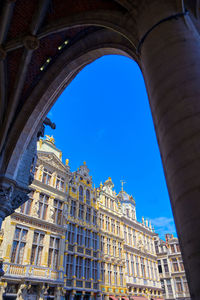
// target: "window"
[[80, 193], [159, 266], [173, 249], [109, 274], [169, 286], [178, 284], [80, 236], [137, 266], [103, 272], [128, 213], [120, 249], [19, 244], [181, 263], [87, 268], [58, 207], [87, 196], [87, 238], [79, 265], [37, 247], [132, 265], [107, 223], [70, 233], [134, 237], [94, 270], [166, 267], [127, 264], [102, 244], [185, 284], [148, 269], [106, 202], [114, 248], [113, 225], [121, 275], [125, 234], [26, 207], [94, 217], [175, 265], [108, 246], [81, 211], [115, 275], [178, 248], [143, 267], [94, 240], [73, 208], [69, 265], [151, 267], [88, 214], [101, 221], [53, 252], [111, 204], [43, 205], [46, 178], [162, 286], [60, 183], [129, 235], [155, 271], [118, 227]]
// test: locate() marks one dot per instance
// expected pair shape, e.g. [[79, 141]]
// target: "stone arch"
[[59, 75]]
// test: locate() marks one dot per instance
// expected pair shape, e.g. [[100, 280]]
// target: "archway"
[[170, 73]]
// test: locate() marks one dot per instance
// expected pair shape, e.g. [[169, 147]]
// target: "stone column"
[[170, 63], [29, 241], [45, 252]]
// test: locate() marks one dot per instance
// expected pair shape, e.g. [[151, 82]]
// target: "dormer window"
[[81, 178]]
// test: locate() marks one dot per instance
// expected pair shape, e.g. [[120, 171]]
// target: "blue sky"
[[104, 118]]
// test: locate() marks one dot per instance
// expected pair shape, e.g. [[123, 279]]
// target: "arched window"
[[80, 193], [88, 196]]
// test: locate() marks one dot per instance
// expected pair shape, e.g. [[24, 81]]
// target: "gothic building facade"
[[76, 242]]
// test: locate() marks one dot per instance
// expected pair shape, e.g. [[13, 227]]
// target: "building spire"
[[122, 185]]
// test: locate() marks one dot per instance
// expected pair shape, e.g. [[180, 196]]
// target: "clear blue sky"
[[104, 118]]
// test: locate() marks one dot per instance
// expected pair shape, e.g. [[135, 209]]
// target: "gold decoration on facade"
[[50, 139]]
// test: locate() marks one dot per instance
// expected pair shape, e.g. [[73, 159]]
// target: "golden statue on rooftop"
[[50, 139]]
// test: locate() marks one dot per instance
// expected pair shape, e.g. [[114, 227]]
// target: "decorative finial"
[[101, 185], [67, 162], [122, 184], [50, 139], [109, 178], [143, 220], [84, 162]]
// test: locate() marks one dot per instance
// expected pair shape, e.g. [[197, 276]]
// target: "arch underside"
[[38, 67]]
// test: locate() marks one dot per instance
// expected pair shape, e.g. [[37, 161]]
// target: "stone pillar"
[[45, 252], [170, 63], [29, 241]]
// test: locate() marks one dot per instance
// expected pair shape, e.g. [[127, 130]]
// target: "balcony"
[[20, 271]]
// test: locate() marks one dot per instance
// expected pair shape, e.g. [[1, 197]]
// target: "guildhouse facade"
[[76, 242], [171, 269], [129, 265], [34, 235], [82, 252]]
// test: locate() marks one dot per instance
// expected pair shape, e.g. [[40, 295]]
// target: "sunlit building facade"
[[34, 235], [129, 262], [171, 269], [74, 242]]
